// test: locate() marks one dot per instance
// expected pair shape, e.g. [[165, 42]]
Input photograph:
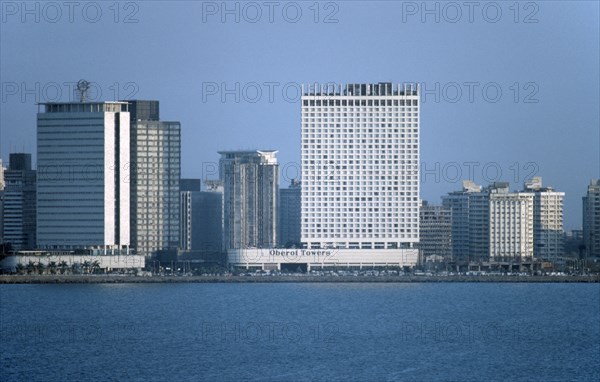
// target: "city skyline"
[[545, 122]]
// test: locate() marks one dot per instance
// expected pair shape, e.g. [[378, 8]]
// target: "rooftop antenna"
[[83, 86]]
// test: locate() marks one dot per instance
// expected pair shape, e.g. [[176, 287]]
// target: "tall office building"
[[201, 217], [435, 229], [591, 219], [250, 188], [83, 189], [511, 225], [548, 231], [19, 204], [187, 187], [1, 202], [360, 178], [289, 211], [155, 173], [1, 175], [470, 222]]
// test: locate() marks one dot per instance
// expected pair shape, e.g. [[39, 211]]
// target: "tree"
[[20, 269], [63, 267], [52, 267], [40, 267], [30, 267], [86, 266], [96, 266]]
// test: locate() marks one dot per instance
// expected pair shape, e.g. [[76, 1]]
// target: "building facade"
[[591, 219], [360, 178], [155, 175], [201, 218], [250, 190], [83, 192], [19, 204], [470, 222], [548, 230], [435, 229], [511, 225], [289, 212]]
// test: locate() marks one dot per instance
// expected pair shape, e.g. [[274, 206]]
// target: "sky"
[[510, 89]]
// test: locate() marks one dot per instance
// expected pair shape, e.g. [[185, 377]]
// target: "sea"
[[300, 332]]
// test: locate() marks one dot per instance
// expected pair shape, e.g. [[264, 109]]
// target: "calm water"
[[275, 332]]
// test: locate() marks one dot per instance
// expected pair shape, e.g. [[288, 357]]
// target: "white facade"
[[548, 230], [511, 226], [273, 258], [83, 191], [360, 157]]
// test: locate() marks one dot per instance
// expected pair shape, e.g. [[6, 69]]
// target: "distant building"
[[511, 225], [435, 230], [201, 219], [591, 219], [491, 223], [289, 215], [83, 182], [548, 231], [470, 222], [155, 174], [250, 184], [360, 155], [1, 201], [19, 204]]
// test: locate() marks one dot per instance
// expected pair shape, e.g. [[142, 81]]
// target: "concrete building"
[[360, 178], [435, 229], [548, 230], [289, 215], [591, 219], [250, 190], [1, 201], [470, 222], [201, 219], [83, 188], [155, 174], [511, 225], [19, 204]]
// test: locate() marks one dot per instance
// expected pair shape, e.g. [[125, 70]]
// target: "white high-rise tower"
[[83, 192], [360, 177]]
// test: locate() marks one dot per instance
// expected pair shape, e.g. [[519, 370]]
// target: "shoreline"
[[130, 279]]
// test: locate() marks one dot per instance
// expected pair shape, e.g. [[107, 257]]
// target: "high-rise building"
[[511, 225], [250, 188], [155, 173], [186, 188], [435, 229], [1, 202], [470, 222], [360, 178], [19, 204], [591, 219], [83, 193], [289, 215], [201, 217], [548, 231]]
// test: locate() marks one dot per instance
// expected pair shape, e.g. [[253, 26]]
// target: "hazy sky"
[[510, 89]]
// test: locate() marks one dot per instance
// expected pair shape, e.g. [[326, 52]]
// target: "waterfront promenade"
[[87, 279]]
